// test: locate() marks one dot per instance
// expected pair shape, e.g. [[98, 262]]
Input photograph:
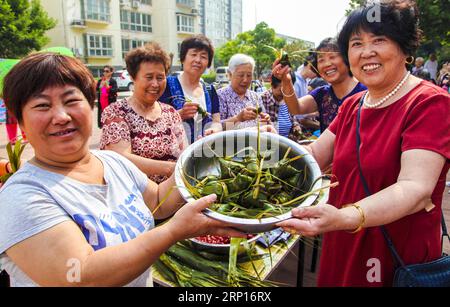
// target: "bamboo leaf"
[[232, 261]]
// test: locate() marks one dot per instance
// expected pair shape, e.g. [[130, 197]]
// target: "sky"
[[311, 20]]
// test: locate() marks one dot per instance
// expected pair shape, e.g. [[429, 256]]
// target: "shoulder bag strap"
[[387, 238], [397, 258], [444, 231]]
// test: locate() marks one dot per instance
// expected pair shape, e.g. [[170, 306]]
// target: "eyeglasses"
[[107, 71]]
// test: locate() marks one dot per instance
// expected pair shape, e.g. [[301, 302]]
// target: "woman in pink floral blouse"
[[147, 132]]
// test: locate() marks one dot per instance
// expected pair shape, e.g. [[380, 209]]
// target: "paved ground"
[[287, 271]]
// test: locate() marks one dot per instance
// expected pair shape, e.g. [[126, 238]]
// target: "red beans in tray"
[[218, 239]]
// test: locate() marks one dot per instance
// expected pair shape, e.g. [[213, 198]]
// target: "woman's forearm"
[[412, 192], [290, 98], [395, 202], [151, 167], [169, 199], [120, 265], [297, 106]]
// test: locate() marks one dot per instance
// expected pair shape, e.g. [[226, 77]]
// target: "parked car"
[[222, 74], [124, 81]]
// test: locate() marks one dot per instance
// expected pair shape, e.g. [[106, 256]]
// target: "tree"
[[434, 22], [297, 58], [255, 43], [23, 24]]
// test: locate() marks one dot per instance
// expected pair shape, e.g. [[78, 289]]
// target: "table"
[[264, 266], [279, 253]]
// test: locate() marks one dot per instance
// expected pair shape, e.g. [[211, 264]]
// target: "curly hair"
[[150, 53]]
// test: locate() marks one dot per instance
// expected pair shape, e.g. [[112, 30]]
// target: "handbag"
[[430, 274]]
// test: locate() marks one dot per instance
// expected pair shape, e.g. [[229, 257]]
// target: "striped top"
[[284, 121]]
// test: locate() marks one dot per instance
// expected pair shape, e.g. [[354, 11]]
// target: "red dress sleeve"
[[427, 125]]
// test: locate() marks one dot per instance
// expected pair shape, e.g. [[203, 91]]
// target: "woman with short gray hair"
[[238, 104], [240, 59]]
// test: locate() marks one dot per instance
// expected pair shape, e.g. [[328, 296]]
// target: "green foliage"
[[435, 24], [23, 25], [210, 78], [253, 43], [299, 58], [14, 154], [354, 4]]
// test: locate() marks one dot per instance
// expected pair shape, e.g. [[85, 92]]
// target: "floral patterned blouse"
[[162, 139], [231, 105], [328, 103]]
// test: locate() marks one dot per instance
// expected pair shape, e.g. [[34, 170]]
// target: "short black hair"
[[109, 67], [309, 60], [39, 71], [275, 81], [328, 44], [399, 22], [199, 42]]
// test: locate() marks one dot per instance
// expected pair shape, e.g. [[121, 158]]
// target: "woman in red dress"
[[147, 132], [405, 152]]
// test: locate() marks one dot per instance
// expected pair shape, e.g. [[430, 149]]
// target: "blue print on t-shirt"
[[126, 224], [91, 231], [118, 230]]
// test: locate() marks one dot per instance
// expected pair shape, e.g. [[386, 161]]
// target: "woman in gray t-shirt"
[[72, 217]]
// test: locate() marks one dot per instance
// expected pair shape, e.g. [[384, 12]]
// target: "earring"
[[410, 60]]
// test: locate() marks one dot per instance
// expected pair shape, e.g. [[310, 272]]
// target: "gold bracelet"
[[363, 217], [282, 92]]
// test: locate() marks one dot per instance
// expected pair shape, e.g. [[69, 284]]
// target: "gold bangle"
[[292, 95], [363, 217]]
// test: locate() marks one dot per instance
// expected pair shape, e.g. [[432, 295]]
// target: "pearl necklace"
[[388, 96]]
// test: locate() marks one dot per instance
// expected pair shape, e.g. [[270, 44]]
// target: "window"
[[129, 44], [98, 10], [133, 21], [185, 23], [147, 2], [99, 45]]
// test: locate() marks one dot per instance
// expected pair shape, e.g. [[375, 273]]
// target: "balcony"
[[98, 18], [78, 23]]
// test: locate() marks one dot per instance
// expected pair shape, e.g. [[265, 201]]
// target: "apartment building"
[[220, 20], [101, 32]]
